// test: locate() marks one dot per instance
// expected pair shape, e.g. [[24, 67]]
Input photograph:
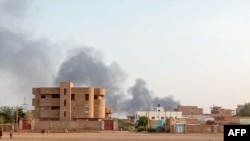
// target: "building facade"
[[217, 111], [190, 110], [67, 103], [158, 114]]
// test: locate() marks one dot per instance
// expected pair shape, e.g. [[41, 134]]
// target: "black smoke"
[[26, 62], [85, 68], [144, 99]]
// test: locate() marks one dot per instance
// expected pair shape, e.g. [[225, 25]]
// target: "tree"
[[7, 113], [11, 114], [245, 111], [142, 123], [18, 114]]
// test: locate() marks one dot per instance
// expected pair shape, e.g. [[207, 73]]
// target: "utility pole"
[[24, 104]]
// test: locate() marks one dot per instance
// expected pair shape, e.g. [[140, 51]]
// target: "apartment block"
[[67, 103]]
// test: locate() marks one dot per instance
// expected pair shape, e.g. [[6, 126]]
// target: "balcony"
[[50, 102]]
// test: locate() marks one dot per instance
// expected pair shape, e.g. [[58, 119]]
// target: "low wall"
[[70, 125], [204, 128]]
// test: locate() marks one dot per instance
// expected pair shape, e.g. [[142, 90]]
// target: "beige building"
[[190, 110], [69, 103]]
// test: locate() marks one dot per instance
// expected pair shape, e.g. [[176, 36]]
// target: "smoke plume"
[[143, 99], [27, 63], [24, 62], [85, 67]]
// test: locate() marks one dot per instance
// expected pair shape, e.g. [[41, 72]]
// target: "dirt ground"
[[112, 136]]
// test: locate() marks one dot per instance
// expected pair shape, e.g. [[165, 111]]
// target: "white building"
[[158, 114]]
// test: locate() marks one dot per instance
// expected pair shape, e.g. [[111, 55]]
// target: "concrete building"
[[190, 110], [217, 111], [158, 114], [67, 103]]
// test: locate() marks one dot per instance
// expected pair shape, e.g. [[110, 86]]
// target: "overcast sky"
[[197, 51]]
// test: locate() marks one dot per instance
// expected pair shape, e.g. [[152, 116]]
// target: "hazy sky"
[[198, 51]]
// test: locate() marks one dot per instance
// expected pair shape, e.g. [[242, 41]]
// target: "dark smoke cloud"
[[143, 99], [27, 63], [24, 62], [85, 67]]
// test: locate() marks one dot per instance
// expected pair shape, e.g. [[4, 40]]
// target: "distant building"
[[66, 103], [217, 111], [158, 114], [190, 110]]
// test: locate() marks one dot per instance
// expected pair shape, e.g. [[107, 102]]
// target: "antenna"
[[24, 104]]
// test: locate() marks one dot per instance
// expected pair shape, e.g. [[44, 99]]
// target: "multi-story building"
[[66, 103], [190, 110]]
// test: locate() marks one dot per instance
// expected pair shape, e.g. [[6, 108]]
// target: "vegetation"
[[151, 130], [10, 114], [125, 125], [245, 111], [142, 124]]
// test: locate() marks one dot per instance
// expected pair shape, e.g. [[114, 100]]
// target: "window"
[[55, 108], [72, 97], [162, 117], [43, 96], [55, 95], [86, 110], [64, 102], [64, 91], [95, 97], [86, 97], [64, 114], [153, 117]]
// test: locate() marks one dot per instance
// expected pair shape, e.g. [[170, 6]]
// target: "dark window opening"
[[95, 97], [153, 117], [64, 102], [55, 95], [65, 91], [86, 97], [43, 96], [64, 114], [72, 97], [55, 108]]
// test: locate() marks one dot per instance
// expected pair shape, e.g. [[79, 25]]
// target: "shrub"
[[151, 130], [140, 128]]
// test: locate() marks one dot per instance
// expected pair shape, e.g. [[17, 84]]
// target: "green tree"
[[7, 113], [18, 114], [142, 123], [11, 114], [245, 111]]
